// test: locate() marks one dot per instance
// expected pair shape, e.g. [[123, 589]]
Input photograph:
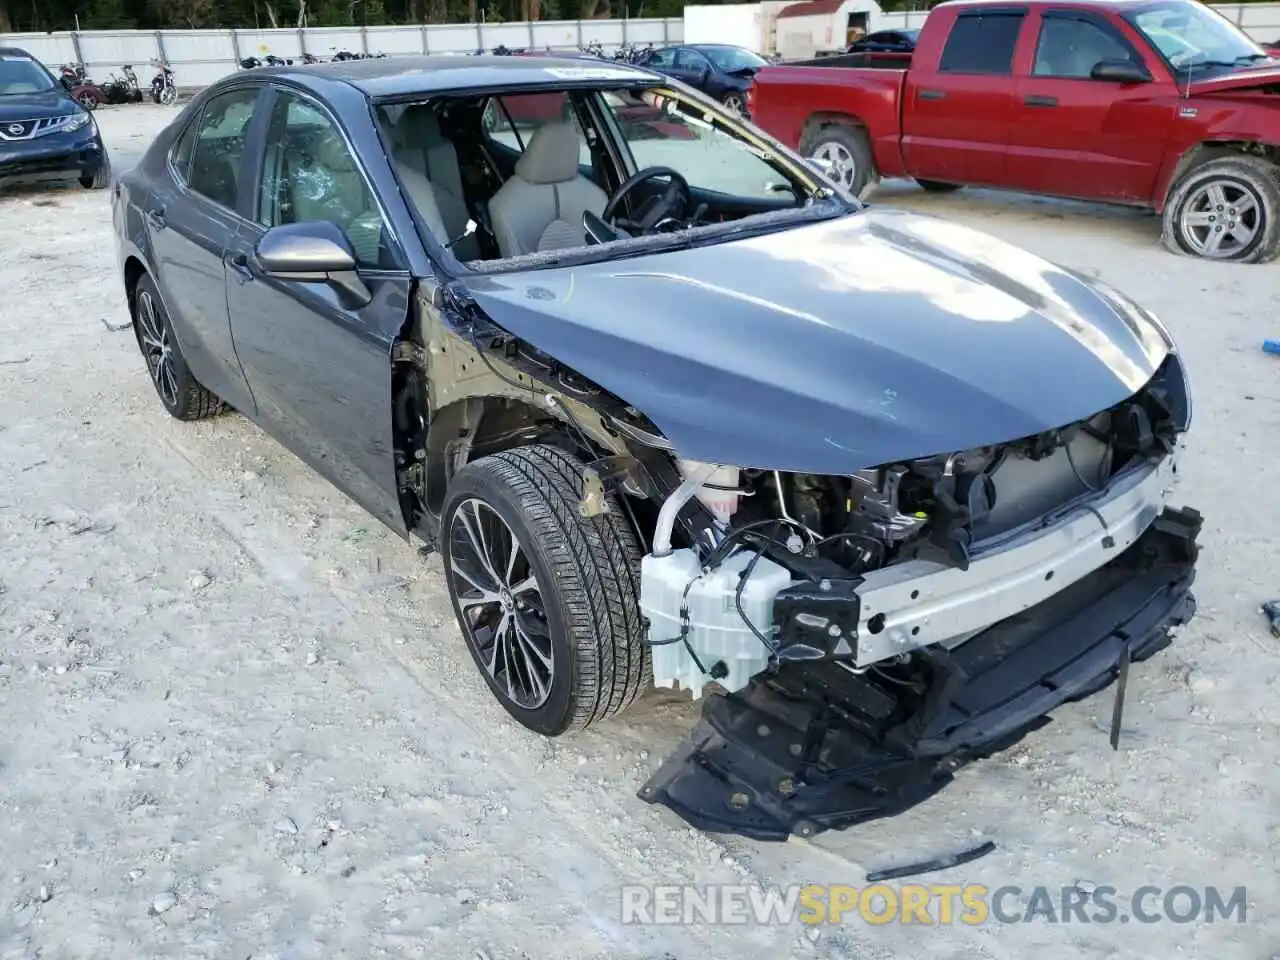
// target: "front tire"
[[1226, 209], [179, 391], [736, 104], [101, 178], [846, 148], [547, 599]]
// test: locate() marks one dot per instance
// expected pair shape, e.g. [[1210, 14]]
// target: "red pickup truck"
[[1162, 104]]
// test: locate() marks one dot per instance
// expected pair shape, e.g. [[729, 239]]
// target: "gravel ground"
[[237, 719]]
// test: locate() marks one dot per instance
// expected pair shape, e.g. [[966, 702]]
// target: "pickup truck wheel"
[[937, 186], [845, 147], [546, 598], [1226, 209]]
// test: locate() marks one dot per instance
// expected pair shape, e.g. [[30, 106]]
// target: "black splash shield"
[[816, 747]]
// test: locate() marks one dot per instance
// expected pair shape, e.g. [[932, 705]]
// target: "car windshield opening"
[[521, 179], [1193, 38], [19, 75]]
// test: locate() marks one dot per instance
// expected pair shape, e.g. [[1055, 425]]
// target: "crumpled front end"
[[874, 633]]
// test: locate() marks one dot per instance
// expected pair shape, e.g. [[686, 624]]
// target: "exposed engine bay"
[[867, 568], [877, 632]]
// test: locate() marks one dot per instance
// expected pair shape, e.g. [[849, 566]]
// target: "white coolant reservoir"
[[719, 490], [717, 633]]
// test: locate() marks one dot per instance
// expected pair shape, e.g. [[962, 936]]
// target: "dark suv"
[[44, 134]]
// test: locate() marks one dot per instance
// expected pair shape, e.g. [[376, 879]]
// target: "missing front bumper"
[[815, 746]]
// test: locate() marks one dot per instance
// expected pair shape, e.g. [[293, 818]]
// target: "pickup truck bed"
[[1088, 99]]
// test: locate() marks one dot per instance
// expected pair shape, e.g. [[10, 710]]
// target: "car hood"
[[875, 337], [1250, 78], [34, 106]]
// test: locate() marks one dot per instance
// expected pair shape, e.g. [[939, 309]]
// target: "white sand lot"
[[237, 719]]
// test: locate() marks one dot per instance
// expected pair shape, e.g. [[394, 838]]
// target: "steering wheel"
[[656, 209]]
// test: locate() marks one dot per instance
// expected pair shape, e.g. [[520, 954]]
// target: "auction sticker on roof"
[[590, 73]]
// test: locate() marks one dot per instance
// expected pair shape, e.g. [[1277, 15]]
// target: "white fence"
[[1260, 20], [199, 57]]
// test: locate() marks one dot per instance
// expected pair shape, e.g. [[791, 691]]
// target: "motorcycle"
[[163, 88], [123, 89], [83, 90]]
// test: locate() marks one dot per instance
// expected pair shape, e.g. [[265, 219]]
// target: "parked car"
[[896, 487], [45, 135], [886, 41], [719, 70], [1161, 105]]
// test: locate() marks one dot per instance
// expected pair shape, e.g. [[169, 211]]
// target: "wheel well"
[[479, 426], [818, 121], [133, 272], [1213, 150]]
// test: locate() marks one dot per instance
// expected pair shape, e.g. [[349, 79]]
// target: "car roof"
[[399, 76], [14, 52]]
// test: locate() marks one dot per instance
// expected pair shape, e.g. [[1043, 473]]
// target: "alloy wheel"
[[735, 105], [844, 169], [1220, 219], [502, 606], [157, 349]]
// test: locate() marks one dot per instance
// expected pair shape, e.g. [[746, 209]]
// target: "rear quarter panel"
[[787, 98]]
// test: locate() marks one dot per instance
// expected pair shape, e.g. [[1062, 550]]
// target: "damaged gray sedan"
[[674, 409]]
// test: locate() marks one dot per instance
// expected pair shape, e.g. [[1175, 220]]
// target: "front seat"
[[429, 170], [540, 208]]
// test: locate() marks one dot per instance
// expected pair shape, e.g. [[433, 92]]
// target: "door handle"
[[1036, 100], [155, 219], [933, 94], [239, 264]]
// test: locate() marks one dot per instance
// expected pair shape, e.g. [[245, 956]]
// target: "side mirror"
[[1119, 71], [703, 73], [315, 252]]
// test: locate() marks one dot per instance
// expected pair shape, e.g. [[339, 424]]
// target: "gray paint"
[[871, 338]]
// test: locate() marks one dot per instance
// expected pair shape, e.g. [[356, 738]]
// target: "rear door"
[[190, 221], [958, 106], [321, 368], [1079, 137]]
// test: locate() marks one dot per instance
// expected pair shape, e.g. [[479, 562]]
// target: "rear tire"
[[552, 623], [937, 186], [179, 391], [847, 148], [1226, 209]]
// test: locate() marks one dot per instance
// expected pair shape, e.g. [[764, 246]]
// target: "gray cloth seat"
[[432, 176], [540, 208]]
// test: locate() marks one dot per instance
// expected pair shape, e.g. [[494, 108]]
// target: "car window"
[[661, 58], [691, 60], [309, 173], [729, 59], [666, 132], [181, 157], [218, 152], [21, 74], [1189, 35], [510, 121], [1071, 48], [982, 44]]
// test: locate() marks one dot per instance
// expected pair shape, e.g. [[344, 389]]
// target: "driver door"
[[724, 173]]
